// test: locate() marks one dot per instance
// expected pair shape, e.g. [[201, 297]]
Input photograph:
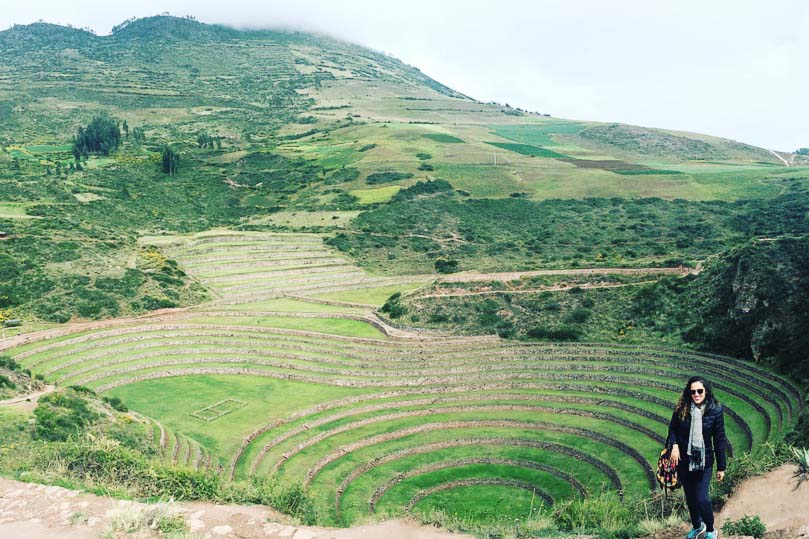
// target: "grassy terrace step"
[[276, 255], [307, 423], [326, 473], [417, 350], [607, 421], [312, 354], [297, 366], [281, 282], [391, 469], [568, 479], [248, 272], [645, 407], [365, 351], [531, 487], [640, 404], [587, 431], [227, 263], [489, 357]]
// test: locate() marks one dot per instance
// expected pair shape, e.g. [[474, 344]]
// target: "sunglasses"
[[697, 391]]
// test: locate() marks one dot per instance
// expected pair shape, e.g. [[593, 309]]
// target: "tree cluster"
[[170, 160], [204, 140], [101, 136]]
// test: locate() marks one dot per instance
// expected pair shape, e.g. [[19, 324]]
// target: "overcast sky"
[[733, 68]]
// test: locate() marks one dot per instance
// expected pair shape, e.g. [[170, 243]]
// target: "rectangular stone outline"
[[198, 414]]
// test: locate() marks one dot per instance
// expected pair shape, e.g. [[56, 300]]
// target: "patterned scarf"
[[696, 445]]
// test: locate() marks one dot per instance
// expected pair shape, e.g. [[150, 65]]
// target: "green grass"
[[347, 328], [377, 195], [48, 148], [528, 149], [15, 210], [483, 180], [484, 503], [646, 172], [443, 138], [295, 306], [266, 399], [372, 296], [536, 134], [305, 219]]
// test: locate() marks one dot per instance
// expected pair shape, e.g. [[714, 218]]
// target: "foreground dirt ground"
[[32, 511]]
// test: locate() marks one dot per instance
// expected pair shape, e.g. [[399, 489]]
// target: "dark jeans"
[[695, 487]]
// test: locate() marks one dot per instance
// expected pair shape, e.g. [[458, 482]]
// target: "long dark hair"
[[684, 403]]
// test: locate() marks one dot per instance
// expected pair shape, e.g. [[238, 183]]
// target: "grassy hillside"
[[287, 190]]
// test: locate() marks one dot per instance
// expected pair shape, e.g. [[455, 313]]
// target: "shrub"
[[446, 265], [801, 458], [800, 433], [343, 175], [385, 177], [6, 362], [393, 307], [578, 316], [5, 381], [115, 403], [605, 512], [747, 525], [60, 416]]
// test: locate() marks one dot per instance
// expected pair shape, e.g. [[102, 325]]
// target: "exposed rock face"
[[754, 303]]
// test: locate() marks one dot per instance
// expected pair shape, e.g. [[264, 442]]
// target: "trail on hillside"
[[780, 158], [29, 401], [555, 288]]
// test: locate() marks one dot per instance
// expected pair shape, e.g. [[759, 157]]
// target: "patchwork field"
[[288, 372]]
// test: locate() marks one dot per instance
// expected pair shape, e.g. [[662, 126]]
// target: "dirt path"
[[773, 498], [31, 511], [516, 275], [556, 288], [28, 402], [781, 158]]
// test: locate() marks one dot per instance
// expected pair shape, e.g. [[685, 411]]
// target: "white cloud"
[[724, 67]]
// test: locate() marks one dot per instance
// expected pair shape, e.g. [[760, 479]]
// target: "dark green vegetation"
[[102, 135], [210, 167], [528, 149], [415, 228], [739, 303], [749, 525], [115, 452]]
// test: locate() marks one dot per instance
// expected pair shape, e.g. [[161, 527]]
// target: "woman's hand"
[[675, 455], [720, 476]]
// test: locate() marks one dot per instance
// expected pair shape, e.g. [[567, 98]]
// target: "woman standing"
[[697, 440]]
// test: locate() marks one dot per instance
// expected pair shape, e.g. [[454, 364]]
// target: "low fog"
[[731, 68]]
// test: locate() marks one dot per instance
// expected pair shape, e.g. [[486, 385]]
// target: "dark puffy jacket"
[[713, 432]]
